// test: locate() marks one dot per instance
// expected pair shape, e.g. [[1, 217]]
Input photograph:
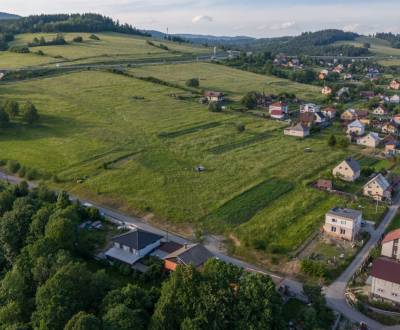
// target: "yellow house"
[[378, 188], [347, 170]]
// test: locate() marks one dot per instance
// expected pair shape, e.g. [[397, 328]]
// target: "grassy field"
[[378, 46], [232, 81], [110, 47], [135, 147]]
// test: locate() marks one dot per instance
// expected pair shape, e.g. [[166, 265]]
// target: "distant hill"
[[204, 39], [4, 16]]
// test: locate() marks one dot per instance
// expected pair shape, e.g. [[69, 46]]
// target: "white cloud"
[[351, 27], [283, 26], [202, 18]]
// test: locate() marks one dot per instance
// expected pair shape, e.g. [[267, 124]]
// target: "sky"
[[257, 18]]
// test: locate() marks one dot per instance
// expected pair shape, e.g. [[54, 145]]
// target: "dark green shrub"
[[13, 166]]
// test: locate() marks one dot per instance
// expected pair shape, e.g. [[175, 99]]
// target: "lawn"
[[395, 224], [231, 81], [111, 47], [135, 147], [379, 47]]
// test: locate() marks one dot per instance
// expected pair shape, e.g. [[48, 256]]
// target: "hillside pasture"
[[112, 47], [231, 81], [127, 143]]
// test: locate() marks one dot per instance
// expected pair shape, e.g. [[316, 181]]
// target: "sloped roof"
[[193, 254], [356, 123], [277, 112], [394, 234], [381, 181], [386, 269], [137, 239], [299, 127], [329, 110], [353, 164], [279, 104]]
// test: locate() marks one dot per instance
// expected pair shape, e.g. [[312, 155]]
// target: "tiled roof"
[[386, 269], [394, 234], [137, 239], [353, 164], [194, 254]]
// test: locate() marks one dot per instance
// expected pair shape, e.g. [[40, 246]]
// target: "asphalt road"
[[335, 293], [294, 287]]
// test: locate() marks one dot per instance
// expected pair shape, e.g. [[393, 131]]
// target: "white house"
[[386, 279], [356, 128], [347, 170], [214, 96], [371, 140], [309, 107], [326, 90], [131, 247], [380, 111], [298, 130], [395, 99], [329, 113], [390, 245], [343, 223], [378, 188]]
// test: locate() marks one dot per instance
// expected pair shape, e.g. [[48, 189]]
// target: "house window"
[[342, 231], [394, 294], [334, 220], [380, 290], [333, 229], [343, 222]]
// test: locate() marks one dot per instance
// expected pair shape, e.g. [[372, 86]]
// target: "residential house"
[[390, 245], [329, 113], [326, 90], [278, 110], [323, 74], [395, 99], [343, 223], [348, 76], [338, 69], [343, 93], [307, 118], [132, 246], [392, 148], [380, 111], [298, 130], [378, 188], [367, 95], [356, 128], [390, 128], [396, 119], [371, 140], [349, 115], [309, 107], [385, 277], [214, 96], [324, 185], [395, 84], [193, 254], [320, 118], [348, 170]]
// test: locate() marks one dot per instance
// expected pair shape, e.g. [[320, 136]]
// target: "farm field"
[[232, 81], [134, 146], [110, 47], [378, 46]]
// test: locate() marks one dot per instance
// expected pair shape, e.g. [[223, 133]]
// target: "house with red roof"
[[390, 245], [214, 96], [395, 84], [278, 110]]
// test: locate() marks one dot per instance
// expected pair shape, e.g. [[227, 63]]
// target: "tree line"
[[90, 23], [11, 110], [49, 280]]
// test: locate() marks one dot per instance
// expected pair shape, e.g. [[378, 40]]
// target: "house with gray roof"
[[348, 170], [299, 130], [192, 254], [378, 188], [133, 246]]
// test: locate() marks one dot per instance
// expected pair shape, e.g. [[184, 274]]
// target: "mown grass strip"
[[190, 130], [244, 206], [232, 146]]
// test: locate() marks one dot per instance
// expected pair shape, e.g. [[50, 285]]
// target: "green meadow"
[[112, 47], [133, 145], [233, 82]]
